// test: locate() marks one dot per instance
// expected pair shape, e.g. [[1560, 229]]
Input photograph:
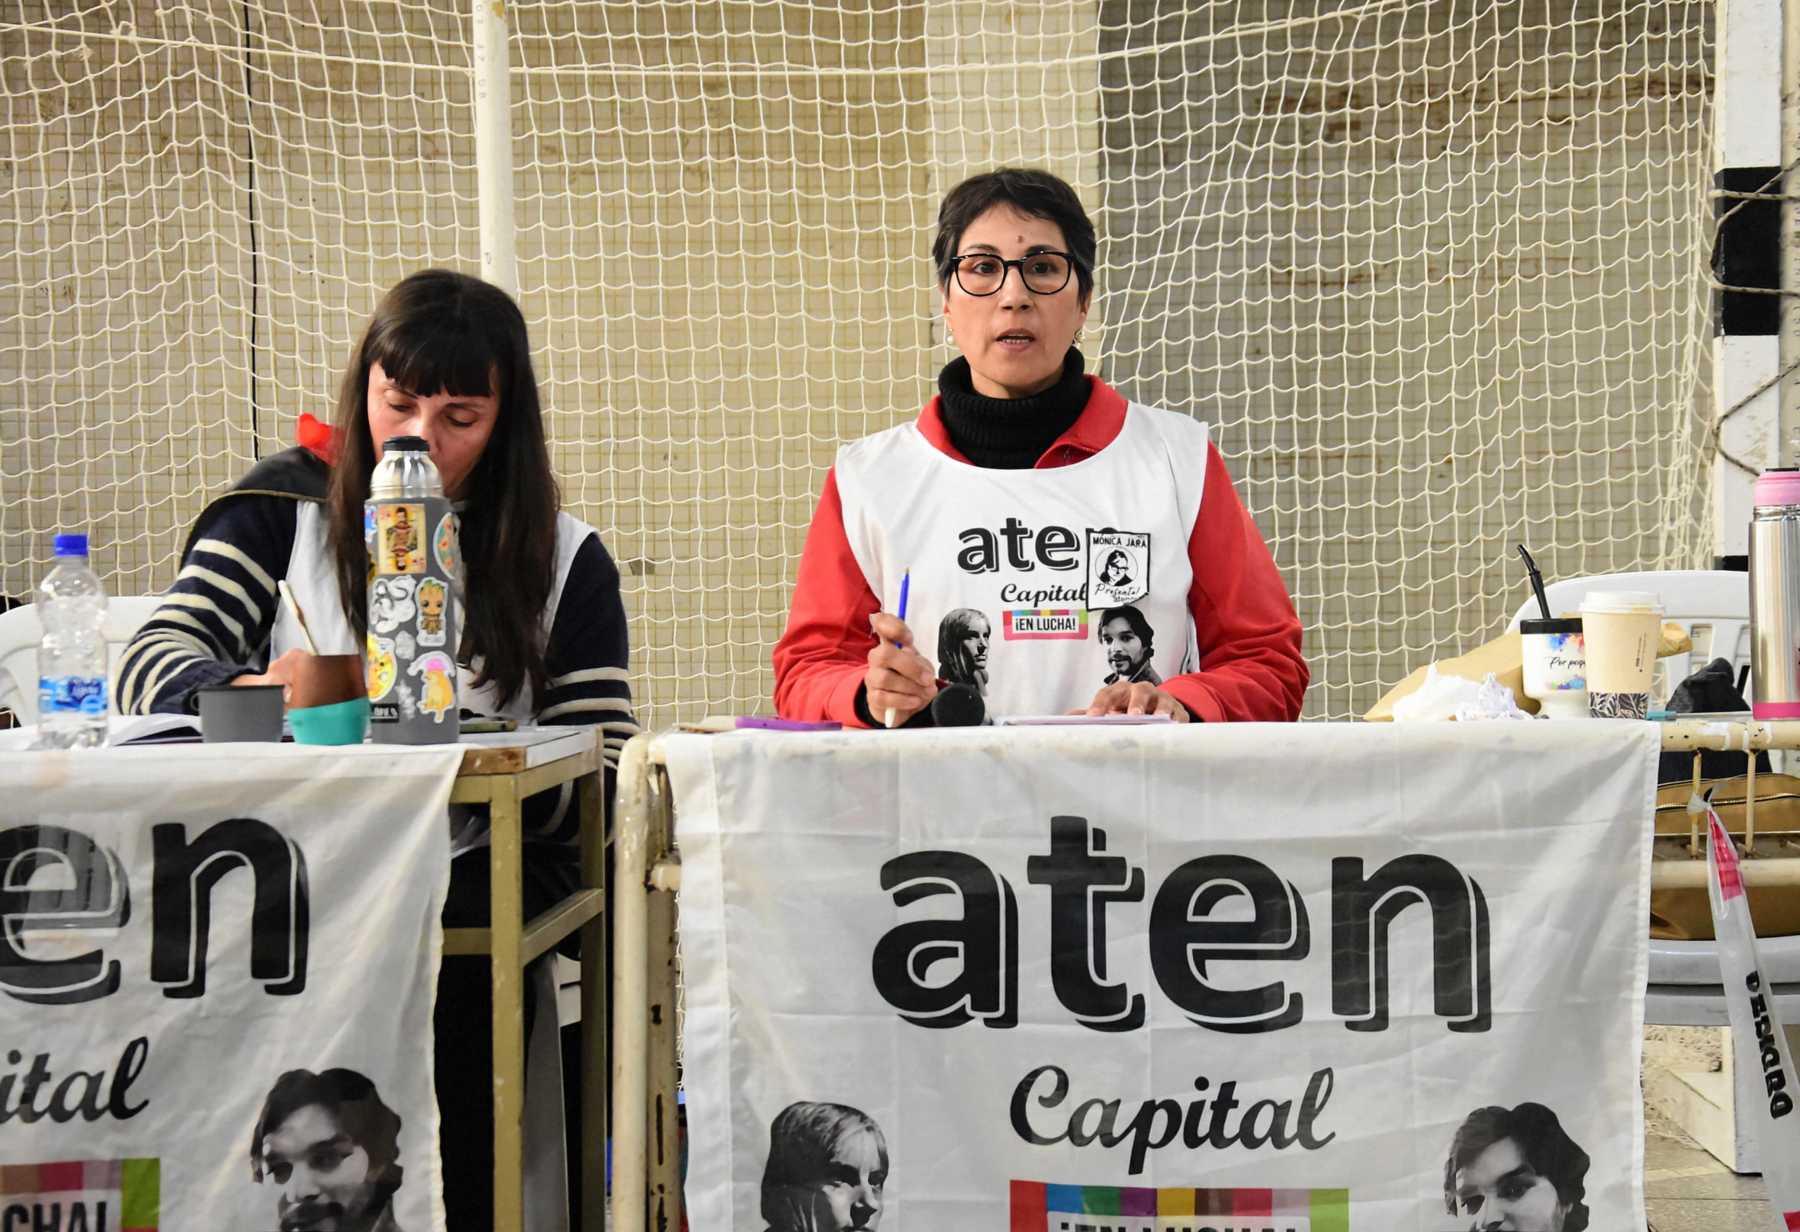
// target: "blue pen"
[[905, 585]]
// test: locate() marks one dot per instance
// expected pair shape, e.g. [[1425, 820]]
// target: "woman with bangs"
[[445, 357]]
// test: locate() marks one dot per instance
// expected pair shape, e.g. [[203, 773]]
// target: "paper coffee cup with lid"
[[1620, 630]]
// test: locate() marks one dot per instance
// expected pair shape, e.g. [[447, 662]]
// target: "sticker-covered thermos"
[[411, 533]]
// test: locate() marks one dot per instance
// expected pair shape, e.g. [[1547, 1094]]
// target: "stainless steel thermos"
[[1775, 595], [414, 566]]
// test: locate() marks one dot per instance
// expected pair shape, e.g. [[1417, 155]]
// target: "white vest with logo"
[[1014, 572], [312, 575]]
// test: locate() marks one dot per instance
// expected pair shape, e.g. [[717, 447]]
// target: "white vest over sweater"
[[1022, 565]]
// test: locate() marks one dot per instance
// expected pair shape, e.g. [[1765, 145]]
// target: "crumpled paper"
[[1441, 697]]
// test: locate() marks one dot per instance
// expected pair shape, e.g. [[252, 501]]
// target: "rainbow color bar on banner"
[[1039, 1206], [1038, 623], [129, 1191]]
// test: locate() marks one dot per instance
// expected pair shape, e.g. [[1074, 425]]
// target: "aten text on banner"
[[1298, 978], [217, 969]]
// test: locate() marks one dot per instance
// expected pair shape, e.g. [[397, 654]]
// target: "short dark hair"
[[1035, 193], [1133, 617], [1548, 1151], [352, 1101], [801, 1141]]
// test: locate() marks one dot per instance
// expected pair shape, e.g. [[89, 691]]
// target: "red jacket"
[[1248, 637]]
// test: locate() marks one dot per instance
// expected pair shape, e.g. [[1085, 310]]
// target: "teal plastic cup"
[[340, 723]]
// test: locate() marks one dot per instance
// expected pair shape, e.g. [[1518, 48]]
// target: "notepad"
[[1082, 720]]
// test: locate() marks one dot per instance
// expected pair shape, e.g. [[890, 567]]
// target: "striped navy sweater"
[[214, 625]]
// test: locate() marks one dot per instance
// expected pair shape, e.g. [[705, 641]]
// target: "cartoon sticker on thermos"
[[390, 603], [399, 540], [444, 543], [439, 687], [433, 596], [381, 667]]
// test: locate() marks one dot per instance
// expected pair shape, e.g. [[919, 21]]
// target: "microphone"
[[958, 705]]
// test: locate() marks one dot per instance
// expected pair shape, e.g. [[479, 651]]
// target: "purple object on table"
[[799, 725]]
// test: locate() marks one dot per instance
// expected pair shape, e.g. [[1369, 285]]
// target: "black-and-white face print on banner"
[[1118, 568], [827, 1170]]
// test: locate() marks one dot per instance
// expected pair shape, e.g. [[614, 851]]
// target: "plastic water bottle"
[[71, 606], [414, 563]]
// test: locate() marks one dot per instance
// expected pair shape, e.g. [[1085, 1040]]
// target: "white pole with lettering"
[[1756, 1036]]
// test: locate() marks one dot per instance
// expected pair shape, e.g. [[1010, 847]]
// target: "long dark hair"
[[438, 330]]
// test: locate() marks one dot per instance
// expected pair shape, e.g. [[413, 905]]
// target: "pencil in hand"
[[293, 605]]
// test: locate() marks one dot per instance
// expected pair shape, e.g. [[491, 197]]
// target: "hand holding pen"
[[900, 682]]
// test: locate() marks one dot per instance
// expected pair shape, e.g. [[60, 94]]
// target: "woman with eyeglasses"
[[1038, 496]]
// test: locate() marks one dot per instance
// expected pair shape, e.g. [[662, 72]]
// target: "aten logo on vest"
[[1054, 547]]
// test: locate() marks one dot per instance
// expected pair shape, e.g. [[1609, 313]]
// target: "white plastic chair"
[[20, 633], [1684, 987]]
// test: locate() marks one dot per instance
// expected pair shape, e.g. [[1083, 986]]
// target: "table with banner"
[[1305, 978], [219, 966]]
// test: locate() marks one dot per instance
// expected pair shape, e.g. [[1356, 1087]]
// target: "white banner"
[[1757, 1039], [1298, 978], [217, 971]]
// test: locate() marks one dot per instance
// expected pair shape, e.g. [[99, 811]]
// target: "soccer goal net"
[[1434, 272]]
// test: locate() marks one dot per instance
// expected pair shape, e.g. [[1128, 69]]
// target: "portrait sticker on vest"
[[1118, 567], [962, 649], [1128, 643]]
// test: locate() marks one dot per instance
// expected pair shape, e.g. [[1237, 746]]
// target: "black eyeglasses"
[[983, 273]]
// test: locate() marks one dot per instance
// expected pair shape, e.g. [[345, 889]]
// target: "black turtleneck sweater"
[[1010, 434]]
